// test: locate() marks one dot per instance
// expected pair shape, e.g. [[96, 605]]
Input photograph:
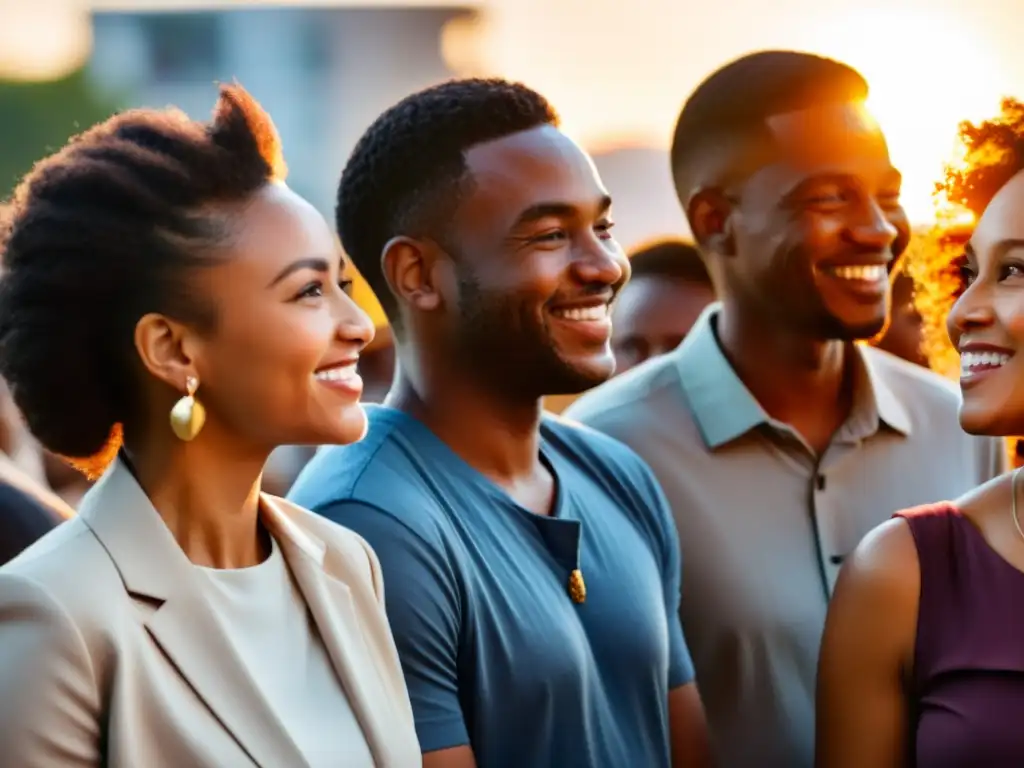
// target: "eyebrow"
[[893, 177], [557, 210], [315, 263], [1000, 248]]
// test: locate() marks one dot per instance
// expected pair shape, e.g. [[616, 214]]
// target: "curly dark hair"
[[101, 233], [991, 152], [407, 172]]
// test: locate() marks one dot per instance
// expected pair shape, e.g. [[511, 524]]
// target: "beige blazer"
[[109, 655]]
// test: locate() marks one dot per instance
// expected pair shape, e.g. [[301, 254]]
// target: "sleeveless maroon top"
[[967, 691]]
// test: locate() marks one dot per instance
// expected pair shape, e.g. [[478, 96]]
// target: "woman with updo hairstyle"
[[171, 312], [922, 661]]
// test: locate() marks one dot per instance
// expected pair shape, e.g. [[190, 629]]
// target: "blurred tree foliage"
[[37, 118]]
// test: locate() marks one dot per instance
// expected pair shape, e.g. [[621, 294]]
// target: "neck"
[[207, 493], [497, 436], [794, 378]]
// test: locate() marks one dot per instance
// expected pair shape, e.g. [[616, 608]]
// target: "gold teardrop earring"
[[188, 414]]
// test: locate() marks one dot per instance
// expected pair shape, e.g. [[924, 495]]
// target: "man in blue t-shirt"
[[531, 566]]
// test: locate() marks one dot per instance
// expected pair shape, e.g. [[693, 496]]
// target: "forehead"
[[526, 168], [1002, 219], [842, 139], [276, 226]]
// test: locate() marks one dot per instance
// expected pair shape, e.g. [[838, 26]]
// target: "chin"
[[982, 421], [863, 330], [577, 377], [350, 426]]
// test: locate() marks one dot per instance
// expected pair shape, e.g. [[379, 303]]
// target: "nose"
[[874, 230], [601, 263], [354, 324], [972, 311]]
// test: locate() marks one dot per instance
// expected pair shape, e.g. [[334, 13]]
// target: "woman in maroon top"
[[922, 661]]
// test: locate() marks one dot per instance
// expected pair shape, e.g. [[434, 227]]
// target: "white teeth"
[[338, 373], [871, 273], [975, 362], [583, 314]]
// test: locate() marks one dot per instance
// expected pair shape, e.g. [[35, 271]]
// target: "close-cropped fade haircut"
[[99, 234], [669, 258], [734, 102], [407, 172]]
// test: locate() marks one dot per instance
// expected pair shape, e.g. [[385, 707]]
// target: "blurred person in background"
[[778, 438], [903, 335], [668, 289], [170, 312], [66, 481], [532, 567], [28, 508], [922, 661]]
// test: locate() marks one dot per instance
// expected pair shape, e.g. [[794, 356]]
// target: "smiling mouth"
[[582, 314], [974, 363], [866, 273], [337, 373]]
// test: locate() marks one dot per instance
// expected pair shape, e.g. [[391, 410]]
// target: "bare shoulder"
[[884, 566], [872, 618]]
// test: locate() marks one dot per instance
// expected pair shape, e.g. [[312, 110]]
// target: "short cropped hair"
[[103, 232], [670, 258], [406, 174], [740, 96]]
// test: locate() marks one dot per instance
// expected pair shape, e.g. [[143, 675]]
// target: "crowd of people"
[[762, 532]]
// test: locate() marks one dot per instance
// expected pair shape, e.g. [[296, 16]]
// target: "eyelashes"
[[315, 289]]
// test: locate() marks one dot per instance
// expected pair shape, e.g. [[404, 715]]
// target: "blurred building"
[[323, 73]]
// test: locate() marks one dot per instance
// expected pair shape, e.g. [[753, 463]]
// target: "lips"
[[589, 322], [864, 272], [337, 372], [341, 376], [978, 360], [590, 314], [865, 283]]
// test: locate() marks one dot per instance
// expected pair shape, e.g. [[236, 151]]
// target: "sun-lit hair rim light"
[[987, 155]]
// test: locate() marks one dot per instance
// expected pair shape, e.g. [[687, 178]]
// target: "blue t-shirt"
[[495, 652]]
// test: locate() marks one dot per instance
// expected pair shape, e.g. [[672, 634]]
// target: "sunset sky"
[[618, 70]]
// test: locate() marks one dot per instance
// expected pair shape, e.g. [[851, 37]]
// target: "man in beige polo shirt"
[[778, 440]]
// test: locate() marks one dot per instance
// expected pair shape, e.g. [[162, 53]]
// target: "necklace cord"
[[1013, 503]]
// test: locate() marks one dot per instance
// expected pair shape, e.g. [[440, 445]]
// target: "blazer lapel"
[[153, 567], [330, 603]]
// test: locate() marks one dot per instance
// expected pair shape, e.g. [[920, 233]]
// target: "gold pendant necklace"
[[577, 587]]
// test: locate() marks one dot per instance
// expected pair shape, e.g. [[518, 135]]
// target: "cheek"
[[520, 284], [774, 237], [265, 363], [818, 231], [1010, 314]]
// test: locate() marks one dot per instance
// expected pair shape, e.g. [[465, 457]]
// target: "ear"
[[165, 348], [410, 267], [710, 214]]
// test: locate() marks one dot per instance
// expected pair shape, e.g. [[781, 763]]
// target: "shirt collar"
[[724, 409]]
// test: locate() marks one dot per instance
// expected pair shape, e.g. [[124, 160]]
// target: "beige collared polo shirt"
[[764, 524]]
